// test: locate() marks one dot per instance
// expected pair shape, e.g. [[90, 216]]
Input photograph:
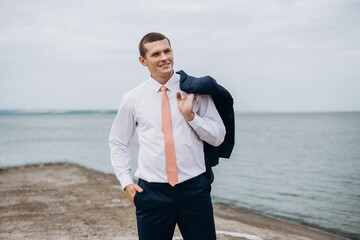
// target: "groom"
[[171, 127]]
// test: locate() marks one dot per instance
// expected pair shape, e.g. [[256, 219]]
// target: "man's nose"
[[163, 57]]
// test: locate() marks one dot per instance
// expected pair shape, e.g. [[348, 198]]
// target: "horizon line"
[[110, 111]]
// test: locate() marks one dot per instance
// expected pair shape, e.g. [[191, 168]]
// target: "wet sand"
[[65, 201]]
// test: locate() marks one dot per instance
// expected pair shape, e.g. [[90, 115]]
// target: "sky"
[[272, 55]]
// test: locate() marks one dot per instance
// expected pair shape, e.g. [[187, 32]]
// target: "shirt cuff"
[[196, 122], [125, 180]]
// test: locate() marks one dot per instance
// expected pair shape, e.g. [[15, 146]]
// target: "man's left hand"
[[186, 105]]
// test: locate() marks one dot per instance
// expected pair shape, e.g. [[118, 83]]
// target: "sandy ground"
[[65, 201]]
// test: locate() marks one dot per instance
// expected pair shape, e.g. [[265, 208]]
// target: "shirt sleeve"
[[122, 131], [207, 122]]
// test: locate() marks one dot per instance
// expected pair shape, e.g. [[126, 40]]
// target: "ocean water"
[[300, 167]]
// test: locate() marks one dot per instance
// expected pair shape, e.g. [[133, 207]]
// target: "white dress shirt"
[[140, 110]]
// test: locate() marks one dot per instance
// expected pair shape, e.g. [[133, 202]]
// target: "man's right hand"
[[131, 190]]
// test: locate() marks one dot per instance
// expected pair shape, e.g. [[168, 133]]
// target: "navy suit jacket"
[[224, 105]]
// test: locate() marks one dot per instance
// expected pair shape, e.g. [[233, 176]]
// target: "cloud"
[[164, 5], [352, 53], [264, 51]]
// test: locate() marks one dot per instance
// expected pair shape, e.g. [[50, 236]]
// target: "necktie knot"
[[163, 89]]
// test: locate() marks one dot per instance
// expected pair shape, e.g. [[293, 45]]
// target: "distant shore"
[[66, 201], [10, 112]]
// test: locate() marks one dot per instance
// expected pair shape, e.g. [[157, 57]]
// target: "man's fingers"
[[138, 188], [178, 96], [132, 189], [188, 96]]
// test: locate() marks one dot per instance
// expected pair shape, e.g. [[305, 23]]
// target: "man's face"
[[158, 59]]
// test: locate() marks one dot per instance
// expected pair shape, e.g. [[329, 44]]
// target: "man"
[[171, 127]]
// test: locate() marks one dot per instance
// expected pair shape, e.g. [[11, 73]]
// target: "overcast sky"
[[271, 55]]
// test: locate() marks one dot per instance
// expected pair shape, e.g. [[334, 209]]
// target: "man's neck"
[[163, 80]]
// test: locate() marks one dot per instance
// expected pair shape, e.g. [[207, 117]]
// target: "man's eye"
[[155, 54]]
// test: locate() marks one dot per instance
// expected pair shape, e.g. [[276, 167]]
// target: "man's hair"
[[150, 37]]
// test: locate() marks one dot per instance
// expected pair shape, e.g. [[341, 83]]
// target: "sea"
[[299, 167]]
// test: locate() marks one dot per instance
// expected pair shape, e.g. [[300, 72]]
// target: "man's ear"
[[142, 61]]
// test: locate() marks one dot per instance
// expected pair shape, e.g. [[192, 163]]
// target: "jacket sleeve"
[[207, 122]]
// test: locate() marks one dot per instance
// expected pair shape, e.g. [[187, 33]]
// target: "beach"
[[67, 201]]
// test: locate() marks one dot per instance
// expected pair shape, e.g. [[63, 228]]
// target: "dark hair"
[[150, 37]]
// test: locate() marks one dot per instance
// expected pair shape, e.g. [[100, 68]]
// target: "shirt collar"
[[170, 84]]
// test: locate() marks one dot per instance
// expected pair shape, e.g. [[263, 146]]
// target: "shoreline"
[[68, 201]]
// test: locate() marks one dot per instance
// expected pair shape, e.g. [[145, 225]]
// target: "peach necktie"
[[171, 168]]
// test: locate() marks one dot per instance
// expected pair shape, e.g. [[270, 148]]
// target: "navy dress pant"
[[160, 207]]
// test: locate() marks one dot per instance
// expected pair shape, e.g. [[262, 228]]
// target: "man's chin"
[[167, 72]]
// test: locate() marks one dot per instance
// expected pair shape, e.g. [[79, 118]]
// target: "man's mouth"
[[165, 65]]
